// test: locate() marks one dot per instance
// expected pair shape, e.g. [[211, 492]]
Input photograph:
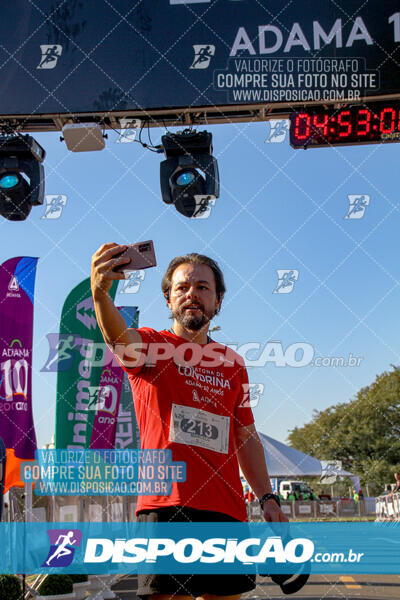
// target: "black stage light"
[[189, 176], [21, 176]]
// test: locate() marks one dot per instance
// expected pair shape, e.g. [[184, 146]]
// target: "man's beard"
[[192, 322]]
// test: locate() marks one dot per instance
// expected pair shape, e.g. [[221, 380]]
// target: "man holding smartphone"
[[191, 396]]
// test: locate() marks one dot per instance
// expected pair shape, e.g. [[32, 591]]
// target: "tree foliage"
[[364, 433], [10, 587], [56, 584]]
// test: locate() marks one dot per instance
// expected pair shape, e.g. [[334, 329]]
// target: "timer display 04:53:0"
[[352, 125]]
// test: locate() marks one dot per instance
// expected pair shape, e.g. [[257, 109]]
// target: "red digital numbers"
[[387, 121], [352, 125], [302, 126], [363, 122], [320, 124], [344, 122]]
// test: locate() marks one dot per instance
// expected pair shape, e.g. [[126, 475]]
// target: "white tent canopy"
[[285, 461]]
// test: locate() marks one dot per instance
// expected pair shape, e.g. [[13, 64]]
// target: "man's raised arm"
[[112, 325]]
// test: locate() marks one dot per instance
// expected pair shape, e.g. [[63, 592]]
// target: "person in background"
[[355, 496], [362, 503], [250, 496], [313, 495], [397, 485]]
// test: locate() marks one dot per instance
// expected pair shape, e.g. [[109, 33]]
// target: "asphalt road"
[[319, 587]]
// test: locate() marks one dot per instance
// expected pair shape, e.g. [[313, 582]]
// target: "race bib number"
[[195, 427]]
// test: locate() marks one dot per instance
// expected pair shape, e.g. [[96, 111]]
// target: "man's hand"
[[273, 513], [103, 263]]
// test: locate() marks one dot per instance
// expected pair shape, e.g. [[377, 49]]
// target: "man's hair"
[[193, 259]]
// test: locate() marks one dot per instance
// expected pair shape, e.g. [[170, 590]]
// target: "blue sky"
[[279, 209]]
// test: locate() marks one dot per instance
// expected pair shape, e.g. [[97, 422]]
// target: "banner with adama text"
[[127, 436], [17, 282], [81, 345], [109, 393]]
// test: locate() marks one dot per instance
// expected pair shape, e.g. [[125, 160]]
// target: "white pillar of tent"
[[28, 501]]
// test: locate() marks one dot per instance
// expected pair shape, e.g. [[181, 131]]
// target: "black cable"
[[165, 127], [140, 132], [148, 133], [157, 149]]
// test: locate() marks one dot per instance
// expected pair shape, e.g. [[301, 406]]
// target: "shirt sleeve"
[[150, 339], [243, 413]]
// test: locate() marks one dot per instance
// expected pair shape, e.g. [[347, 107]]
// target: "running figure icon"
[[357, 206], [286, 280], [61, 353], [62, 542], [202, 55], [50, 55]]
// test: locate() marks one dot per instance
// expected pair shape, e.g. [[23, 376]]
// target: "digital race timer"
[[357, 124]]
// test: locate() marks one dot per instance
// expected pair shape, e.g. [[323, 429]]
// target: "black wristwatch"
[[269, 496]]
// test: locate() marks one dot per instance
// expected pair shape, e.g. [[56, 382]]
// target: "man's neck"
[[197, 337]]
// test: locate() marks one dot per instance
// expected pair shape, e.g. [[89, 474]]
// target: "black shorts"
[[190, 585]]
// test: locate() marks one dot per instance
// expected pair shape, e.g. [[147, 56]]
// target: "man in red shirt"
[[191, 396]]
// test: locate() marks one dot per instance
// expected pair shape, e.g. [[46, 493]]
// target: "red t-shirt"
[[192, 409]]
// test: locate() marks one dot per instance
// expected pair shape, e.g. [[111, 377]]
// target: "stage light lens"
[[185, 178], [8, 181]]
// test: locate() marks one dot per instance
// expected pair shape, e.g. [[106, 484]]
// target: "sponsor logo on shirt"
[[205, 376]]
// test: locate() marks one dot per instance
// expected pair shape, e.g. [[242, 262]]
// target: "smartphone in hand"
[[142, 256]]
